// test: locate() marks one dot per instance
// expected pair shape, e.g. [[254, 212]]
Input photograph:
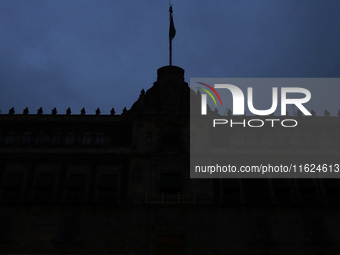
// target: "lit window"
[[86, 138], [100, 138], [69, 139], [56, 138], [40, 138]]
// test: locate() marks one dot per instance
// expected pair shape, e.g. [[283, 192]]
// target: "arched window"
[[56, 138], [10, 137], [100, 138], [70, 138], [27, 137], [40, 138], [86, 137]]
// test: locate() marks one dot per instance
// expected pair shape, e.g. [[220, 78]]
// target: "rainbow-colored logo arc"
[[213, 90]]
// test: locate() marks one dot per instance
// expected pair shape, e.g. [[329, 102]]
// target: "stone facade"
[[120, 184]]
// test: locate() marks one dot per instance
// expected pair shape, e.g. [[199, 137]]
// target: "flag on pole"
[[172, 30]]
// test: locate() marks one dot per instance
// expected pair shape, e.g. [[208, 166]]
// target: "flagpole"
[[172, 33], [170, 39]]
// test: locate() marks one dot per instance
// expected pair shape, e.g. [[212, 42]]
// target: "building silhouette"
[[120, 184]]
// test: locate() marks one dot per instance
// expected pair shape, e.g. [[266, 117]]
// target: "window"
[[40, 138], [107, 184], [12, 187], [281, 186], [86, 138], [268, 140], [252, 140], [311, 140], [13, 181], [100, 138], [282, 140], [149, 138], [332, 185], [137, 173], [170, 183], [256, 191], [326, 140], [69, 139], [56, 138], [230, 186], [296, 139], [306, 186], [10, 138], [27, 137], [76, 184], [45, 183], [238, 140]]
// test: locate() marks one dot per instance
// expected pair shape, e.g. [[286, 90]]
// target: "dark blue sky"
[[101, 53]]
